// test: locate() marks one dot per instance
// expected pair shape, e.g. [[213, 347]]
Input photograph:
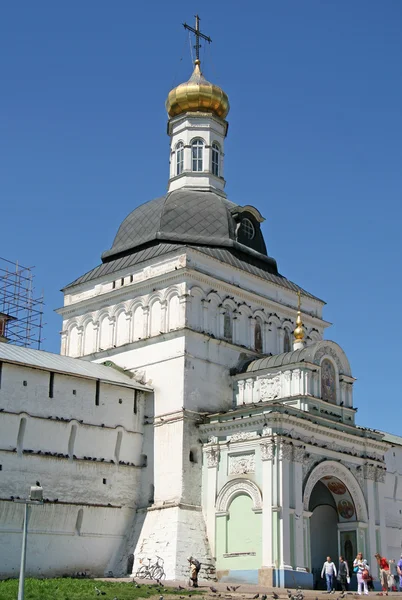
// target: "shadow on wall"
[[122, 563]]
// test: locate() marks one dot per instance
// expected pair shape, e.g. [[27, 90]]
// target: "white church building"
[[195, 408]]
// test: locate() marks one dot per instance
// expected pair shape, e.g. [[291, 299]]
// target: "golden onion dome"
[[197, 94]]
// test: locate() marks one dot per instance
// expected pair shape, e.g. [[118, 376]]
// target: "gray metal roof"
[[187, 216], [261, 267], [307, 354], [254, 266], [64, 364], [396, 440], [130, 260]]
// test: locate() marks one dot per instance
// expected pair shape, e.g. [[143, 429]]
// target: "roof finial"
[[198, 35], [299, 331]]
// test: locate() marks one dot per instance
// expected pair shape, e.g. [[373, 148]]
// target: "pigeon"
[[214, 590], [274, 596], [115, 598], [289, 593], [256, 596], [161, 598], [228, 588], [264, 597], [99, 592], [235, 587], [181, 587]]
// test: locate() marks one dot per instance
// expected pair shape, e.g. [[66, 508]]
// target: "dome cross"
[[198, 35]]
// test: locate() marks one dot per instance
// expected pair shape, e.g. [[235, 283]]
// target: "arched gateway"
[[338, 515]]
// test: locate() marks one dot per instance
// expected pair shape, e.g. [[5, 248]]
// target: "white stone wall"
[[87, 458], [172, 293]]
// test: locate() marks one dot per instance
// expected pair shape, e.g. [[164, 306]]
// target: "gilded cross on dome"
[[198, 35]]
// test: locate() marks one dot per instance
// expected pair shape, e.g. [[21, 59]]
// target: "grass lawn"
[[84, 589]]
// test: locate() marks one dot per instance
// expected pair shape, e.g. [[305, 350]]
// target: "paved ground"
[[248, 591]]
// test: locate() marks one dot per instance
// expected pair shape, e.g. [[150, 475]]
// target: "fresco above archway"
[[343, 500]]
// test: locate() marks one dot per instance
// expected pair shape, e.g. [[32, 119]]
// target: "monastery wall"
[[86, 450]]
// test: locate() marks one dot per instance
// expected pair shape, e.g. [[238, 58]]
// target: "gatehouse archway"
[[336, 505]]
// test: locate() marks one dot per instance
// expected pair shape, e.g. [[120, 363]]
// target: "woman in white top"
[[361, 565]]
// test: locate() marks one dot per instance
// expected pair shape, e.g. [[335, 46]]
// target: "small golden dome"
[[197, 94], [299, 331]]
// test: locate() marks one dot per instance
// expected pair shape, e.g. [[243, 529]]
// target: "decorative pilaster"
[[240, 387], [380, 475], [371, 508], [163, 316], [145, 312], [248, 392], [212, 454], [80, 339], [96, 336], [299, 554], [284, 456], [183, 299], [112, 332], [64, 338], [267, 451]]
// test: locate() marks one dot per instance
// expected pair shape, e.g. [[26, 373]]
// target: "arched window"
[[258, 336], [179, 158], [286, 341], [197, 150], [227, 326], [328, 381], [215, 159]]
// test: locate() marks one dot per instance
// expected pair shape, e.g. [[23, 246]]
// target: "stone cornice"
[[123, 294], [250, 295], [287, 423]]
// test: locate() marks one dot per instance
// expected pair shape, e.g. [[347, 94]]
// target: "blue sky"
[[314, 142]]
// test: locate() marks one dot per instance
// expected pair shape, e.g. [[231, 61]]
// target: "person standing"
[[329, 570], [195, 567], [361, 568], [399, 570], [343, 573], [384, 572]]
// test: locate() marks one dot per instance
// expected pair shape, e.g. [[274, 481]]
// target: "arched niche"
[[234, 488]]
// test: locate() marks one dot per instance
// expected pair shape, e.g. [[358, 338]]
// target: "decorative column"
[[212, 454], [299, 549], [182, 309]]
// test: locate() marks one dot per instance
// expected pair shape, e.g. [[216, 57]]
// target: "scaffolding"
[[19, 303]]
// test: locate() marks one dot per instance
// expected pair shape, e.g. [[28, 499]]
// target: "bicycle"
[[151, 571], [158, 572]]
